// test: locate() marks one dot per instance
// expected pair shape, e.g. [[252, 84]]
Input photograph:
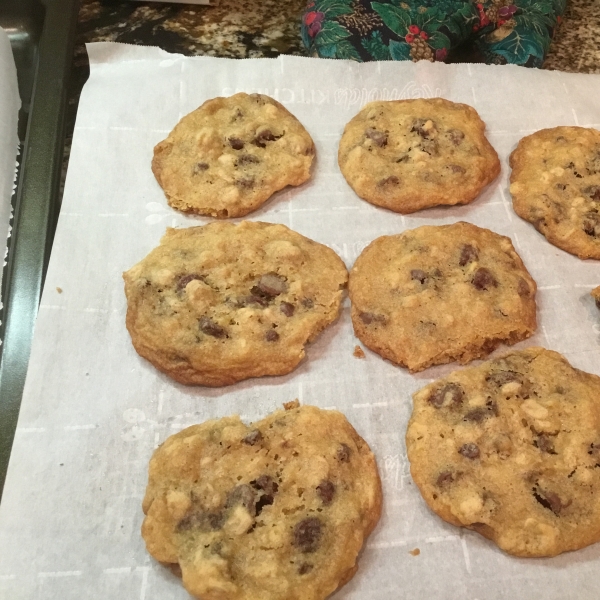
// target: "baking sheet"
[[9, 141], [93, 411]]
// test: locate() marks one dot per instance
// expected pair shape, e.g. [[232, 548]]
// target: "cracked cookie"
[[436, 294], [275, 510], [216, 304], [511, 449], [226, 158], [406, 155], [555, 185]]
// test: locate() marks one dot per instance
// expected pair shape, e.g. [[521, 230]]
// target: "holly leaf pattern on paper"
[[513, 31], [330, 33], [335, 8], [399, 50], [518, 46], [462, 24], [397, 19], [328, 51], [438, 41], [346, 50]]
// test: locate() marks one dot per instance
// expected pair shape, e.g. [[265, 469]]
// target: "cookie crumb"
[[59, 290], [291, 405], [358, 352], [415, 552]]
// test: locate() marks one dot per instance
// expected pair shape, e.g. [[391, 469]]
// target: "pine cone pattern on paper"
[[496, 31], [420, 50], [492, 14]]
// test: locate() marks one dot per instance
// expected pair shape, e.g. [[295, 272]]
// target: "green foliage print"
[[375, 47]]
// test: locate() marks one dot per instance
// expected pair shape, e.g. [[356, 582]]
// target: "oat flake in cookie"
[[436, 294], [230, 155], [511, 449], [555, 185], [277, 510], [216, 304], [406, 155]]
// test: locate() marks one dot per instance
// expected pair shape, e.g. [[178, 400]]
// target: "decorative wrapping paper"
[[492, 31], [9, 141], [93, 411]]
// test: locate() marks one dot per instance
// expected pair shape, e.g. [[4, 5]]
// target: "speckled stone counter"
[[576, 47]]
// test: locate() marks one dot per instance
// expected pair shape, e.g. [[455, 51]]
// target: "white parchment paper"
[[9, 117], [93, 411]]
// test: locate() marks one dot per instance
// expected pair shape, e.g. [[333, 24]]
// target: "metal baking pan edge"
[[37, 204]]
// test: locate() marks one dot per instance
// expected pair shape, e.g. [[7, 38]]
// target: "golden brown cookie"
[[555, 185], [511, 449], [216, 304], [230, 155], [436, 294], [406, 155], [277, 510]]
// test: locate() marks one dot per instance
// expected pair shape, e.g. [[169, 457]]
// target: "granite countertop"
[[266, 28]]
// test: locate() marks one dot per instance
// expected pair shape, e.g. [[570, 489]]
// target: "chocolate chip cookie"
[[436, 294], [277, 510], [555, 185], [230, 155], [406, 155], [216, 304], [511, 449]]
